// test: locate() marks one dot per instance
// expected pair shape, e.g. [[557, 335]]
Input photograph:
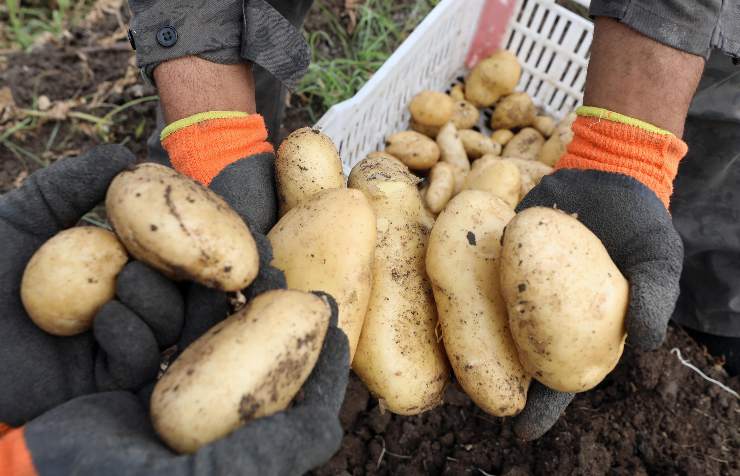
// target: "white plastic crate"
[[551, 42]]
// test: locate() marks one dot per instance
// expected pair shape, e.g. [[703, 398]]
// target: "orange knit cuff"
[[649, 157], [15, 459], [203, 149]]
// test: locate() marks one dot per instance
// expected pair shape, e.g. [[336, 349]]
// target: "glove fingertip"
[[333, 306], [544, 408]]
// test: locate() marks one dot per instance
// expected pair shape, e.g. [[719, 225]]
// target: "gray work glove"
[[638, 233]]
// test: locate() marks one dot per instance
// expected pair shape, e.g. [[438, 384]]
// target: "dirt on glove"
[[652, 415]]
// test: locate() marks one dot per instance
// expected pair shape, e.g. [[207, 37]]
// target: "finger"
[[154, 298], [268, 277], [205, 308], [59, 195], [543, 409], [328, 381], [654, 290], [130, 354]]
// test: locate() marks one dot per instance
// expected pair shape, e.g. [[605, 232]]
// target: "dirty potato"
[[477, 145], [416, 150], [525, 145]]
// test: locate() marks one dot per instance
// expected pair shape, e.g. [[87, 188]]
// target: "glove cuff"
[[611, 142], [202, 145], [15, 458]]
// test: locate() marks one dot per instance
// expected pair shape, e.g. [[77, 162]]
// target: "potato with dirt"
[[566, 298], [248, 366], [514, 111], [440, 188], [70, 278], [492, 78], [477, 145], [466, 238], [497, 177], [431, 108], [525, 145], [502, 136], [465, 115], [328, 243], [453, 152], [415, 150], [399, 357], [181, 228], [306, 163]]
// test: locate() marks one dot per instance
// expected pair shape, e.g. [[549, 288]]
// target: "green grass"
[[23, 21], [342, 62]]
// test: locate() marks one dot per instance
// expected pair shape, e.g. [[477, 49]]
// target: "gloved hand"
[[110, 433], [618, 178]]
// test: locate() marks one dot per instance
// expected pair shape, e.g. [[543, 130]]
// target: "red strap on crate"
[[492, 25]]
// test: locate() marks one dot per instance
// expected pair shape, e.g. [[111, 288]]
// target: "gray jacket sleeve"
[[694, 26], [222, 31]]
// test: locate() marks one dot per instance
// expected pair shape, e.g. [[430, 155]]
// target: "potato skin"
[[497, 177], [181, 228], [248, 366], [453, 152], [492, 78], [416, 150], [431, 108], [441, 187], [502, 136], [530, 171], [463, 265], [477, 145], [545, 125], [398, 356], [465, 115], [514, 110], [327, 243], [306, 163], [566, 298], [70, 277], [457, 92], [525, 145]]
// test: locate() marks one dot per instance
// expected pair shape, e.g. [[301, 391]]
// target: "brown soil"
[[652, 415]]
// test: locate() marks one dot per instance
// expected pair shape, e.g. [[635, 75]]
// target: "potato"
[[531, 172], [441, 187], [417, 151], [492, 78], [70, 277], [453, 152], [499, 178], [465, 115], [327, 243], [514, 110], [525, 145], [429, 131], [566, 298], [181, 228], [477, 145], [307, 162], [545, 125], [399, 357], [557, 145], [248, 366], [462, 262], [502, 136], [432, 108], [457, 92]]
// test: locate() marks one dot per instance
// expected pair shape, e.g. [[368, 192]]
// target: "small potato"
[[70, 278], [181, 228], [307, 162], [432, 108], [544, 124], [327, 243], [531, 172], [514, 110], [525, 145], [457, 92], [499, 178], [463, 265], [477, 145], [566, 298], [556, 146], [429, 131], [465, 115], [441, 187], [502, 136], [248, 366], [492, 78], [416, 150], [453, 152]]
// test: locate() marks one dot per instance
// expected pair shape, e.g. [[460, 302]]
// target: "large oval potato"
[[307, 162], [492, 78], [327, 243], [181, 228], [431, 108], [70, 277], [248, 366], [463, 265], [398, 356], [416, 150], [566, 298], [514, 110]]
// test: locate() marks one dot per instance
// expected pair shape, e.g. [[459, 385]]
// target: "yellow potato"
[[525, 145], [477, 145], [463, 265], [327, 244], [429, 131], [70, 277], [441, 187], [514, 110], [499, 178], [502, 136], [557, 145], [399, 357], [307, 162], [431, 108], [181, 228], [492, 78], [416, 150], [457, 92], [465, 115], [453, 152], [248, 366], [531, 172], [545, 125], [566, 299]]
